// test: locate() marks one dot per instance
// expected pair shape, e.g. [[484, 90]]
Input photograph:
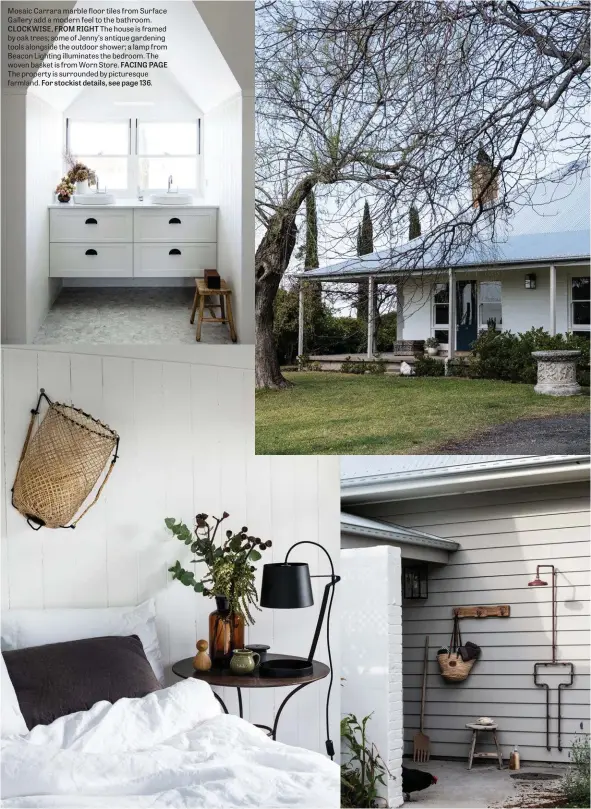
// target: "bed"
[[165, 747]]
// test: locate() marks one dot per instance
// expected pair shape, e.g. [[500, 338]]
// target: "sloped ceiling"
[[195, 60]]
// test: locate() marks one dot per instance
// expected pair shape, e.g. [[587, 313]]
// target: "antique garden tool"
[[421, 750]]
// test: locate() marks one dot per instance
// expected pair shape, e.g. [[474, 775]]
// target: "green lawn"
[[343, 414]]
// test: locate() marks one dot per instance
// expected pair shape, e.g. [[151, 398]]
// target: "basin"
[[94, 199], [173, 198]]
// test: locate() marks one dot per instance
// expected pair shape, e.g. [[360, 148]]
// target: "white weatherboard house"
[[533, 273], [471, 530]]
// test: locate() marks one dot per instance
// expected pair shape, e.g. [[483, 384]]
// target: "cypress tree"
[[364, 246], [310, 252], [414, 223], [311, 255], [365, 233]]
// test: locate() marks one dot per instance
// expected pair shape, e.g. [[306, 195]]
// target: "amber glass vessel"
[[226, 633]]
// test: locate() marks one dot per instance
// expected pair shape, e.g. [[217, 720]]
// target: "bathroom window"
[[168, 149], [105, 146], [131, 154]]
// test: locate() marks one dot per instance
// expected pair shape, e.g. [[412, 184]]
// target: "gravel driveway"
[[551, 435]]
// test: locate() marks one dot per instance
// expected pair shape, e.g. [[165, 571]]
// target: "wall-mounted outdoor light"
[[415, 582], [530, 281]]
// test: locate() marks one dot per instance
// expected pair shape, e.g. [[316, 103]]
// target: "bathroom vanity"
[[131, 240]]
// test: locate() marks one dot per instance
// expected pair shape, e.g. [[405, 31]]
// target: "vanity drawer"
[[180, 260], [175, 225], [72, 225], [91, 260]]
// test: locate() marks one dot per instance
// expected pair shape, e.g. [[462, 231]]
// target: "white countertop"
[[134, 203]]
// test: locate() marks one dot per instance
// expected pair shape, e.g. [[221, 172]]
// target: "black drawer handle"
[[91, 221], [91, 252], [174, 252], [174, 221]]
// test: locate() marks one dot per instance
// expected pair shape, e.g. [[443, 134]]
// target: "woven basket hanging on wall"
[[451, 665], [60, 465]]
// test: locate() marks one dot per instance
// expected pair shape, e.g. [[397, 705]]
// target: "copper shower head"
[[537, 582]]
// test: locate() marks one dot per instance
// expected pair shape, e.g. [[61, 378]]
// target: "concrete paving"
[[482, 787]]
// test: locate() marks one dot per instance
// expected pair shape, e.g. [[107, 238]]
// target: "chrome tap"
[[169, 183]]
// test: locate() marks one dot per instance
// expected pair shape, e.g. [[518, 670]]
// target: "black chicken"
[[415, 781]]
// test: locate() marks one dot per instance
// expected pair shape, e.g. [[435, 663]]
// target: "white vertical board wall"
[[229, 180], [187, 445], [44, 168]]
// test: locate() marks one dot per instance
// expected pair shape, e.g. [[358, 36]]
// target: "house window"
[[128, 154], [580, 308], [490, 304], [441, 313]]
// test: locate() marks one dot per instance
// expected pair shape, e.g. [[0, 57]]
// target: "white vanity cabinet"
[[132, 242]]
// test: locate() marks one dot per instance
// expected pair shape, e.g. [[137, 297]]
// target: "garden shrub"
[[576, 781], [377, 366], [460, 366], [429, 366], [507, 356]]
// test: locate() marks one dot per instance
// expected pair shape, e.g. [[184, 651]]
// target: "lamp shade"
[[286, 586]]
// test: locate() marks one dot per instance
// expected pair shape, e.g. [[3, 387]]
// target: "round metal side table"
[[224, 677]]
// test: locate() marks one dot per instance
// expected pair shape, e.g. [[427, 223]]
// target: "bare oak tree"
[[394, 102]]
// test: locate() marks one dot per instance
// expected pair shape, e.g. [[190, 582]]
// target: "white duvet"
[[171, 748]]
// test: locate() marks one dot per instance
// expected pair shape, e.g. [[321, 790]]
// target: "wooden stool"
[[475, 727], [202, 291]]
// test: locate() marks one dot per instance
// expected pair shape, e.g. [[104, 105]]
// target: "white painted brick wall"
[[372, 652]]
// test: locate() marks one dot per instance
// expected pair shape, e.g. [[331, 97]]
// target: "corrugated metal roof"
[[376, 529], [551, 223], [360, 467]]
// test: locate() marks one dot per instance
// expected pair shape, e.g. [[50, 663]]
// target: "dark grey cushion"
[[62, 678]]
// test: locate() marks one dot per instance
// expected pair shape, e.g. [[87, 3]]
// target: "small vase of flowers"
[[80, 174], [64, 189], [229, 578]]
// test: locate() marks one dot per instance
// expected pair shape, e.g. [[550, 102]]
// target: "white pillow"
[[24, 628], [12, 722]]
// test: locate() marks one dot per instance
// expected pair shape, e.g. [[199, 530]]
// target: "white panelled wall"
[[503, 535], [187, 446]]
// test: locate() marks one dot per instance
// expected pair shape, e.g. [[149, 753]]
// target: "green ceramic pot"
[[244, 661]]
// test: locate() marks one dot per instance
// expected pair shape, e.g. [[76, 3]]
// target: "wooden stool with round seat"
[[475, 727], [203, 298]]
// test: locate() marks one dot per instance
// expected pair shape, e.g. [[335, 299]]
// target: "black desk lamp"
[[288, 585]]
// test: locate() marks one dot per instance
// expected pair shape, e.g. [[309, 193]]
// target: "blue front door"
[[467, 314]]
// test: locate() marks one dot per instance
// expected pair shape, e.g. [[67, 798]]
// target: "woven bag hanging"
[[452, 667], [60, 464]]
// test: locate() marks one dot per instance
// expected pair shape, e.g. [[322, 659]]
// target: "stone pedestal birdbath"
[[557, 372]]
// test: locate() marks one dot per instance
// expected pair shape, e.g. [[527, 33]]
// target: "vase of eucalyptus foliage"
[[229, 578]]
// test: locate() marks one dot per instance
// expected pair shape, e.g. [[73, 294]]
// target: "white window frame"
[[572, 327], [481, 325], [439, 326], [133, 157]]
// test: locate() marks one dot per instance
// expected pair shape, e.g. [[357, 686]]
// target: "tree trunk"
[[271, 260]]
